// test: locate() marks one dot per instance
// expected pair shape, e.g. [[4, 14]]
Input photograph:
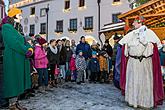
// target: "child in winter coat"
[[94, 67], [41, 62], [103, 66], [73, 67], [81, 66]]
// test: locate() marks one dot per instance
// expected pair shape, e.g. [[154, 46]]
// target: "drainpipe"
[[98, 2], [47, 21]]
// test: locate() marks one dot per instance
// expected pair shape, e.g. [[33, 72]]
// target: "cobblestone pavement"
[[71, 96]]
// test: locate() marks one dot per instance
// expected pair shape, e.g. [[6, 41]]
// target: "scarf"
[[54, 50]]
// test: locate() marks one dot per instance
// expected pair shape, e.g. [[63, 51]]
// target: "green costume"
[[15, 65]]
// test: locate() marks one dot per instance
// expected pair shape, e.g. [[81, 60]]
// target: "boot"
[[47, 88], [20, 107], [13, 107], [41, 89], [50, 84], [54, 83]]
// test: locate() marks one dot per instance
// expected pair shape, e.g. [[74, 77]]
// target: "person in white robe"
[[139, 72]]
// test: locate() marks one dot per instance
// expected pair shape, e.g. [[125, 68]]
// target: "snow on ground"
[[71, 96]]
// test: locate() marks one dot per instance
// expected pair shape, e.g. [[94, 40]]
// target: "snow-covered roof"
[[112, 27]]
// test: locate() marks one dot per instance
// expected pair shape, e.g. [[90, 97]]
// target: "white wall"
[[56, 13], [31, 20]]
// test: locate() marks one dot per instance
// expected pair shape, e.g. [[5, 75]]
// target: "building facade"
[[69, 19]]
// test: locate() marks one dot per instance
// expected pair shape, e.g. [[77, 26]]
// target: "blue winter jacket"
[[85, 49], [93, 65], [162, 57]]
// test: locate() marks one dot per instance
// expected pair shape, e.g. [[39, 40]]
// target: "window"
[[116, 0], [32, 29], [67, 4], [59, 26], [115, 18], [89, 22], [73, 24], [81, 3], [42, 12], [43, 28], [32, 11]]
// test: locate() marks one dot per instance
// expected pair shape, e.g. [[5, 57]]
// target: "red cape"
[[158, 90]]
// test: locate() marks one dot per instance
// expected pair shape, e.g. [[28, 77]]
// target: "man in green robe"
[[16, 66]]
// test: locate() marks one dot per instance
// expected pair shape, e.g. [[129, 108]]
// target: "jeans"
[[88, 72], [104, 75], [93, 76], [80, 75], [67, 69], [43, 76], [67, 66], [73, 75], [62, 71], [51, 72]]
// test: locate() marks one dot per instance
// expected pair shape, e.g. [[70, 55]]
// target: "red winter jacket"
[[73, 64]]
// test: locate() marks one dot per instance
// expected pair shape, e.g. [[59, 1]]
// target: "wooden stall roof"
[[154, 14], [110, 29]]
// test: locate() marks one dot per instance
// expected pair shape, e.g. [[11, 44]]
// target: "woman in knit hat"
[[16, 65]]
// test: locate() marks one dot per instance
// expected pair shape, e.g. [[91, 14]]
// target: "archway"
[[90, 39], [65, 37]]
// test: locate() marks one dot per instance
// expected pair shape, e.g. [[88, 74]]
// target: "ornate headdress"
[[140, 19]]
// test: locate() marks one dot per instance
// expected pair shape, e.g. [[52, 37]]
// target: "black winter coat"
[[108, 49], [93, 65], [52, 58], [62, 56], [68, 53]]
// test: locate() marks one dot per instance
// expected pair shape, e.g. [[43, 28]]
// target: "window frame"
[[116, 0], [41, 28], [88, 21], [115, 15], [31, 10], [67, 6], [32, 32], [81, 3], [42, 15], [59, 28], [73, 24]]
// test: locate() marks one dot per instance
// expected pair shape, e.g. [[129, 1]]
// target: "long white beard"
[[19, 18]]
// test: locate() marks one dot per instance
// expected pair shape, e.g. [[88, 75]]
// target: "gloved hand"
[[29, 53]]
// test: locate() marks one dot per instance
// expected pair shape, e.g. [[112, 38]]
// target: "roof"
[[111, 27], [153, 12]]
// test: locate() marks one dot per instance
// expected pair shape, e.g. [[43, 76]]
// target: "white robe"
[[139, 75]]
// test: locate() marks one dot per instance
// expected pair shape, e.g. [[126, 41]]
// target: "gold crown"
[[14, 11]]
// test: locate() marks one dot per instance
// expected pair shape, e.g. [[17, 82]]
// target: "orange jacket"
[[103, 63]]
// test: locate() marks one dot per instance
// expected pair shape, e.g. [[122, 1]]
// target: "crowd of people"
[[63, 60], [31, 63]]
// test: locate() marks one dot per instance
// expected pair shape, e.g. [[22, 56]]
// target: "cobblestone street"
[[71, 96]]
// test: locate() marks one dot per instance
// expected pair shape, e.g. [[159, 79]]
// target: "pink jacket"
[[72, 64], [40, 58]]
